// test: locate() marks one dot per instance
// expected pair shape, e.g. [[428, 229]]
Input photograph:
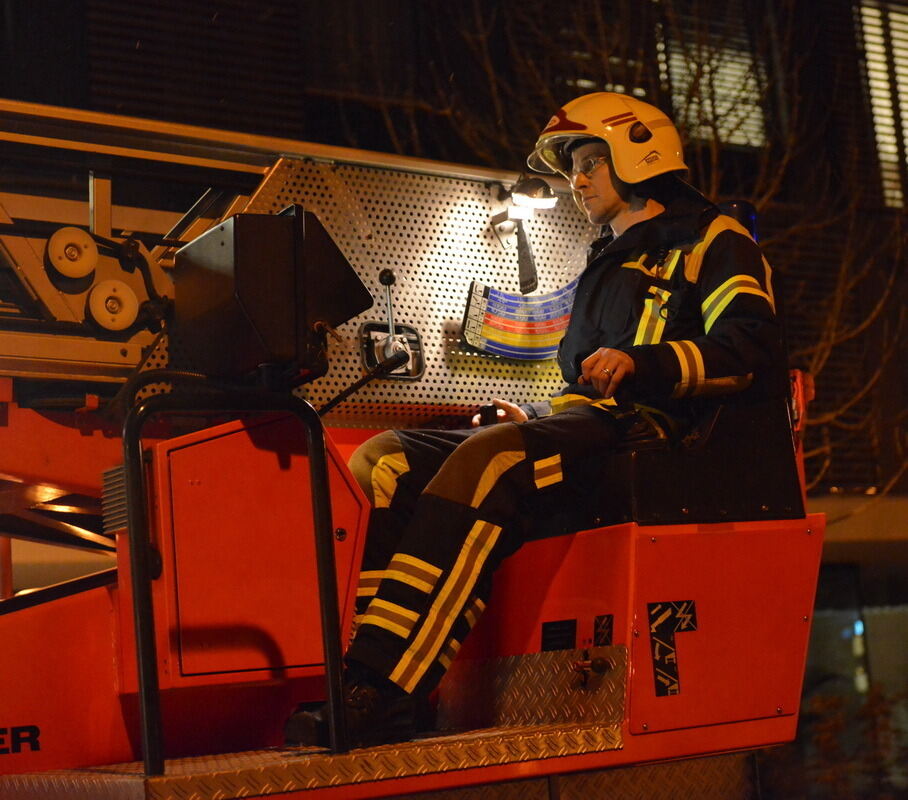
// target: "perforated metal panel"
[[434, 232]]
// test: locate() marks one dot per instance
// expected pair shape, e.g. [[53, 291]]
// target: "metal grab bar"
[[222, 401]]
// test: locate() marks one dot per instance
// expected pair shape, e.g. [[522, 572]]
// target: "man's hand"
[[507, 412], [605, 369]]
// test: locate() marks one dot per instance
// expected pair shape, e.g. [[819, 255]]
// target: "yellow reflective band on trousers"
[[368, 582], [474, 611], [413, 571], [385, 474], [693, 372], [717, 302], [390, 616], [547, 471], [497, 466], [447, 606], [471, 615], [446, 656]]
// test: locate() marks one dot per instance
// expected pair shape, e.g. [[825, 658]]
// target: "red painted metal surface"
[[579, 577], [238, 600], [346, 440], [58, 674], [238, 631], [237, 622], [6, 567], [753, 585], [245, 490], [65, 449]]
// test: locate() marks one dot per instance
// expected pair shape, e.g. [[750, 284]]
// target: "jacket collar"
[[680, 223]]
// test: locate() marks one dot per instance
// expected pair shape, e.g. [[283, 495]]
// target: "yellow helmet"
[[643, 141]]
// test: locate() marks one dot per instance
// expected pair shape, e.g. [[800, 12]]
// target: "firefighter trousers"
[[448, 506]]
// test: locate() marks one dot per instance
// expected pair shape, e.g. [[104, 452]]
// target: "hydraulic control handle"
[[380, 341], [390, 346]]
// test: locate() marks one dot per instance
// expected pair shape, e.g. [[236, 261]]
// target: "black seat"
[[738, 464]]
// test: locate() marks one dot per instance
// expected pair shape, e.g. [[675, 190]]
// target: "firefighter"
[[674, 308]]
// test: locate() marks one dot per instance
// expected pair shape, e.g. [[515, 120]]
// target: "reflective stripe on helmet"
[[642, 140]]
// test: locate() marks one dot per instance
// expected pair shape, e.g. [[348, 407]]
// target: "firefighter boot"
[[374, 715]]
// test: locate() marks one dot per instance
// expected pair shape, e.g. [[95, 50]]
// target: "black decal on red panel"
[[665, 620], [559, 635], [603, 629]]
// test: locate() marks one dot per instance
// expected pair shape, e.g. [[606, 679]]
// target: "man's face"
[[593, 181]]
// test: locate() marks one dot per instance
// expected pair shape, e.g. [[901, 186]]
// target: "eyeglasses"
[[587, 167]]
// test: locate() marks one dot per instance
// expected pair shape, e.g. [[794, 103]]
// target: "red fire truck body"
[[648, 634]]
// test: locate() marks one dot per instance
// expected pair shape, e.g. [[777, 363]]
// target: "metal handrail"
[[209, 402]]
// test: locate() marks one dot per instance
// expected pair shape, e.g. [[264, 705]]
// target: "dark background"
[[473, 82]]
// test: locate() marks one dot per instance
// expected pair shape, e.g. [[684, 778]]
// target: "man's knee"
[[367, 457]]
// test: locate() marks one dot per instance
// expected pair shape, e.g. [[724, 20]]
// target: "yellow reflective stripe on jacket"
[[720, 224], [693, 372], [768, 281], [547, 471], [671, 261], [639, 265], [652, 323], [713, 306], [664, 270]]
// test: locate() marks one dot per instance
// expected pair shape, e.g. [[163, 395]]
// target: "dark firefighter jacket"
[[688, 295]]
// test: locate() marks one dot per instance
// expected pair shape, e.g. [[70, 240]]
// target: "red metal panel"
[[346, 440], [753, 587], [237, 594], [57, 674], [243, 552], [232, 497], [238, 591], [69, 450], [579, 577]]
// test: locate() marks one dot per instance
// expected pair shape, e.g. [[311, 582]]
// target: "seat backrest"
[[740, 464]]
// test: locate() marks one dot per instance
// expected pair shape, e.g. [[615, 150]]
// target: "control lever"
[[392, 344], [391, 363], [488, 415], [587, 666], [380, 341]]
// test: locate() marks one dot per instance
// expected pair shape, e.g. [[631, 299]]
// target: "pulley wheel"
[[72, 252], [113, 305]]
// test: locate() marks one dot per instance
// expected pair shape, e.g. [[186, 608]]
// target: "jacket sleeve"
[[740, 337], [535, 410]]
